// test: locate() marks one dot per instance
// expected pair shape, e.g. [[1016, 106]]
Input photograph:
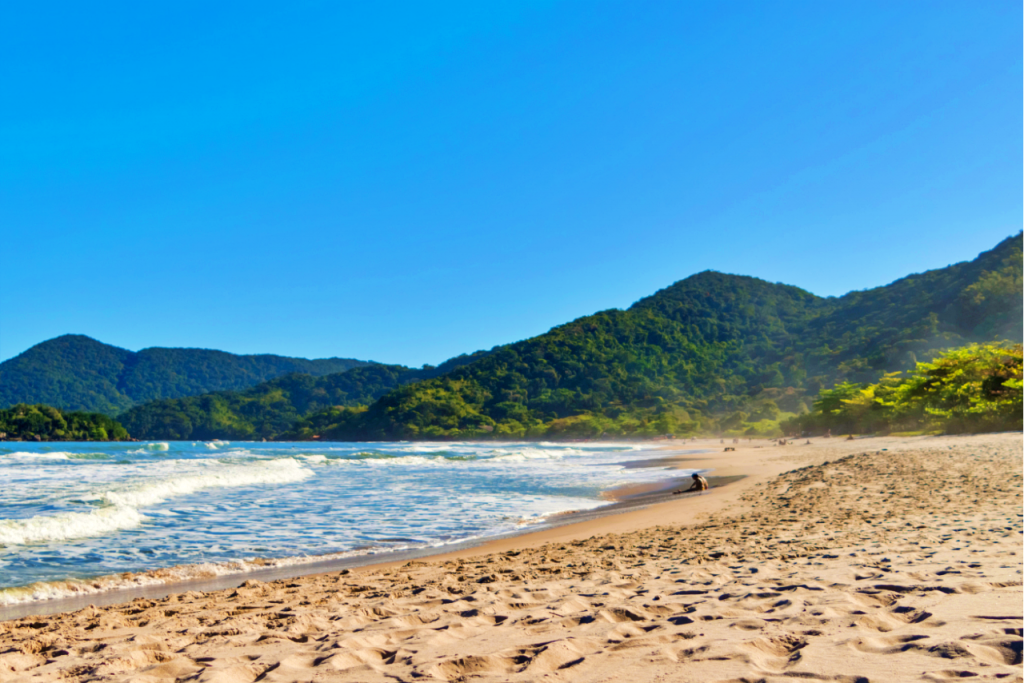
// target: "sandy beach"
[[877, 559]]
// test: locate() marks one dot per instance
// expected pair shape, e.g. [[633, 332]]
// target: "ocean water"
[[86, 517]]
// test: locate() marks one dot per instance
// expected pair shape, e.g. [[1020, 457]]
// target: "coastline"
[[865, 560], [625, 503], [157, 583]]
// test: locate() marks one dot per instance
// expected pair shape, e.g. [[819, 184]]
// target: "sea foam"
[[277, 471], [70, 588], [67, 526], [121, 506], [25, 455], [121, 511]]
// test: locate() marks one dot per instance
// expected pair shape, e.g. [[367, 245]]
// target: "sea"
[[81, 518]]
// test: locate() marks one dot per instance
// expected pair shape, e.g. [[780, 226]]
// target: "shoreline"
[[881, 559], [619, 500], [623, 504]]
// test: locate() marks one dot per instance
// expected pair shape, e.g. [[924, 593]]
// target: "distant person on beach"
[[699, 484]]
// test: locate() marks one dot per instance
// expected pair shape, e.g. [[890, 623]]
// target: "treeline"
[[45, 423], [976, 388]]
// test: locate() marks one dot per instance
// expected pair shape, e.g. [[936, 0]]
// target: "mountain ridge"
[[77, 372]]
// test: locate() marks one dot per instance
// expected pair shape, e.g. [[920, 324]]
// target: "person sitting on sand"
[[699, 484]]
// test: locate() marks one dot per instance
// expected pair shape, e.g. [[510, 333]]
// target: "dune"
[[878, 559]]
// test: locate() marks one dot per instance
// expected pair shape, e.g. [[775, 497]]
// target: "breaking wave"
[[69, 588], [279, 471], [121, 506], [68, 525], [25, 455]]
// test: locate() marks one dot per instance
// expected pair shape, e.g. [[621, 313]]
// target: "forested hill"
[[74, 372], [711, 352], [272, 408], [782, 335]]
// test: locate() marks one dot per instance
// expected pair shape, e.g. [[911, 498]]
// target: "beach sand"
[[879, 559]]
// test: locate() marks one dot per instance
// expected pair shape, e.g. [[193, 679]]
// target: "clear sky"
[[404, 182]]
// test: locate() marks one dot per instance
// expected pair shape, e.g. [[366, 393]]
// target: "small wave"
[[27, 455], [121, 506], [524, 454], [67, 526], [69, 588], [280, 471], [152, 446], [430, 458], [405, 460], [372, 455], [89, 456], [56, 455]]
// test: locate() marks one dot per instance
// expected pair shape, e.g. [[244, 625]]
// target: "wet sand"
[[880, 559]]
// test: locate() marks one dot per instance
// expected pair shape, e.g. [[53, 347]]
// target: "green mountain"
[[75, 372], [271, 408], [711, 352]]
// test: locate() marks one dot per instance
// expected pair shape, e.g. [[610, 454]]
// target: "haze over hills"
[[75, 372], [711, 351]]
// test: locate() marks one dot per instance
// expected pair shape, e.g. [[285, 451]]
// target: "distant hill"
[[710, 352], [272, 408], [74, 372]]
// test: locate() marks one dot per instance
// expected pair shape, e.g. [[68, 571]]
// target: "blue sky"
[[408, 181]]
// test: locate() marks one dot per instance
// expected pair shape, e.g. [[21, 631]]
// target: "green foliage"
[[45, 423], [263, 411], [268, 410], [975, 388], [614, 372], [78, 373]]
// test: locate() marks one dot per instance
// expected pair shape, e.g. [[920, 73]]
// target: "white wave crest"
[[26, 455], [280, 471], [121, 511], [67, 526], [402, 460], [158, 446], [524, 454], [55, 590]]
